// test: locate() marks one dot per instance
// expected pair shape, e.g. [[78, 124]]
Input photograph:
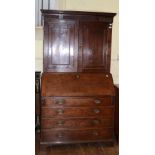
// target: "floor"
[[79, 149]]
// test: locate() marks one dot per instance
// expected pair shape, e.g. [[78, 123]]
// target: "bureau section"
[[76, 119]]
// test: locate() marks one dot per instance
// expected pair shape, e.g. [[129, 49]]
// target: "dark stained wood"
[[77, 90], [63, 136], [76, 13], [79, 149], [37, 100], [60, 52], [116, 125], [89, 122], [77, 41], [76, 101], [93, 48], [37, 143], [37, 93], [78, 112], [73, 84], [97, 148]]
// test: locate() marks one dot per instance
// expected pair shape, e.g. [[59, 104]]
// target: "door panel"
[[93, 46], [61, 54]]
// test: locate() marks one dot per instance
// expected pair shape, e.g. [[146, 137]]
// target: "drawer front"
[[69, 123], [76, 135], [75, 102], [78, 112]]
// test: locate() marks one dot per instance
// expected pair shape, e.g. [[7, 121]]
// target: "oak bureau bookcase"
[[77, 89]]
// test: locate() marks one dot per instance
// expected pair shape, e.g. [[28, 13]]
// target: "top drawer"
[[76, 101]]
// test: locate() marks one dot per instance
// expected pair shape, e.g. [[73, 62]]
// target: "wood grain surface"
[[78, 149]]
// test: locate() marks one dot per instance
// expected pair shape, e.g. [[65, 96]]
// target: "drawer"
[[77, 112], [77, 101], [76, 135], [49, 123]]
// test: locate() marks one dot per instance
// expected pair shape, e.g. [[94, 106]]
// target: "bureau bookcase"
[[77, 92]]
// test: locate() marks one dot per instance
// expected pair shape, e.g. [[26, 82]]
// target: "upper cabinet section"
[[76, 41]]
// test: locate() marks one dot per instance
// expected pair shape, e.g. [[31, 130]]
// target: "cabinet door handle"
[[107, 75]]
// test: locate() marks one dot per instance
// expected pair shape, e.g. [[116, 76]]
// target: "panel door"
[[94, 46], [60, 46]]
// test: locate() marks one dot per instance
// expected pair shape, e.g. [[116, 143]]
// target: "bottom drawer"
[[60, 136]]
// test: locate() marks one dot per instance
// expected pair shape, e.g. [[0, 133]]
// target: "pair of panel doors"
[[76, 46]]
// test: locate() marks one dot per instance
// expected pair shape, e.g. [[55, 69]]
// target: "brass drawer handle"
[[60, 102], [96, 111], [96, 122], [97, 101], [60, 123], [60, 135], [60, 111]]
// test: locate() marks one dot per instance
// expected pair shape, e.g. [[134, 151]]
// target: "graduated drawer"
[[76, 101], [49, 123], [76, 135], [77, 112]]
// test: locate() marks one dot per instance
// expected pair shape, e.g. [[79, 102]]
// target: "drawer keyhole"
[[95, 133], [96, 122], [60, 135]]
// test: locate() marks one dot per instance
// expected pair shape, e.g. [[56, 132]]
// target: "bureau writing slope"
[[77, 88]]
